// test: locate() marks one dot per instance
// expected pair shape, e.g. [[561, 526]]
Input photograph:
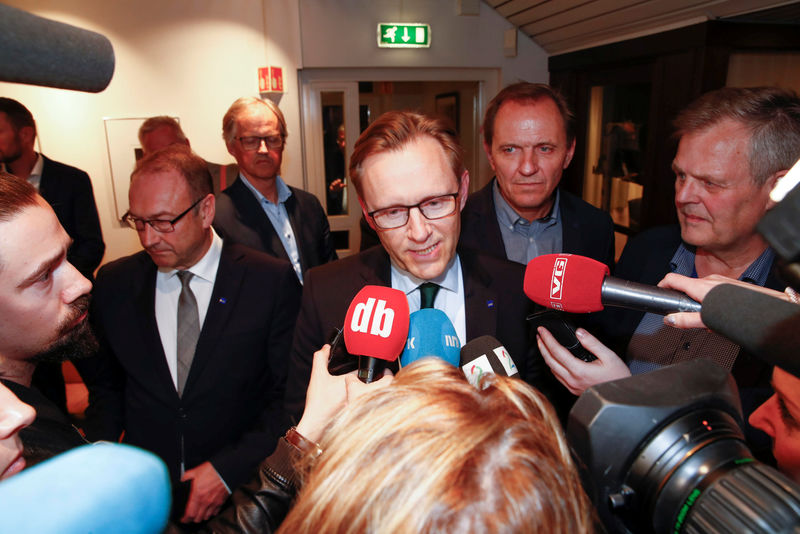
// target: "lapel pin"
[[490, 304], [223, 300]]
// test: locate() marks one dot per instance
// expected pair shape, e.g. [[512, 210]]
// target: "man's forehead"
[[31, 235]]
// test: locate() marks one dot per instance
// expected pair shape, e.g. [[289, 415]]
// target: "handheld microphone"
[[578, 284], [759, 323], [375, 328], [485, 355], [104, 488], [40, 51], [430, 333]]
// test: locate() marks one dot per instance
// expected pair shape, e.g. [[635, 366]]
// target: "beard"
[[73, 342]]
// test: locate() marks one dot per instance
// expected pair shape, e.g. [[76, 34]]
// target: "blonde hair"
[[431, 453], [237, 109]]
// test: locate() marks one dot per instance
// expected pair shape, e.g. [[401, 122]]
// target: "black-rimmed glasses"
[[253, 142], [432, 208], [159, 225]]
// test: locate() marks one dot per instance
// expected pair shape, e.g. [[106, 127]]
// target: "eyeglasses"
[[159, 225], [253, 142], [431, 209]]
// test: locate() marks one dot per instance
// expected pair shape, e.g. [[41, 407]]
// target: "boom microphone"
[[104, 489], [40, 51], [578, 284], [485, 355], [375, 329], [761, 324], [430, 333]]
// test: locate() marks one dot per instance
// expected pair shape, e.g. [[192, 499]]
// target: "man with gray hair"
[[259, 210], [162, 131]]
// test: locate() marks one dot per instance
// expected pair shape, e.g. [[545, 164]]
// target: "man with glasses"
[[259, 210], [194, 334], [409, 174]]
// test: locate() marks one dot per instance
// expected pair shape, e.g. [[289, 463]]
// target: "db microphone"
[[761, 324], [430, 333], [375, 329], [44, 52], [485, 355], [104, 489], [578, 284]]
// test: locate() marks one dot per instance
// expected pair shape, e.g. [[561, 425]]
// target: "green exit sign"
[[403, 35]]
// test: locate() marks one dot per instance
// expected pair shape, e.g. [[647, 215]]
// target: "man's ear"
[[463, 189], [488, 150], [570, 153], [27, 135], [208, 209]]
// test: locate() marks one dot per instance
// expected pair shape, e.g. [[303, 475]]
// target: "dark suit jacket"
[[241, 219], [587, 231], [69, 191], [495, 305], [231, 406]]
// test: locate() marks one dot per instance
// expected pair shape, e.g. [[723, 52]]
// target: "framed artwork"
[[447, 105]]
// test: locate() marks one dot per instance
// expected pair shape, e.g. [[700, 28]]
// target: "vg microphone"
[[40, 51], [484, 355], [430, 333], [375, 329], [103, 488], [578, 284], [759, 323]]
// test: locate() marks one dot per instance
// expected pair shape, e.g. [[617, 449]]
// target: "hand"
[[698, 288], [574, 373], [328, 394], [336, 185], [207, 495]]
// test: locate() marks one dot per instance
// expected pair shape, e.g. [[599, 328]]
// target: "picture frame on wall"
[[447, 105]]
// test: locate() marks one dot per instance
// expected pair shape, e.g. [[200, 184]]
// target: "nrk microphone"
[[44, 52], [485, 355], [103, 488], [578, 284], [761, 324], [430, 333], [375, 329]]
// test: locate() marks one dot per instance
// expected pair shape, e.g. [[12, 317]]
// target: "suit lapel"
[[479, 300], [227, 286], [253, 216], [570, 233]]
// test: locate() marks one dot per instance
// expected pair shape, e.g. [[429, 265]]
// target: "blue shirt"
[[655, 344], [279, 218], [524, 239]]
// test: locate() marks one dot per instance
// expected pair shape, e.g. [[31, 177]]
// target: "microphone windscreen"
[[761, 324], [430, 333], [39, 51], [376, 323], [103, 488], [485, 355], [566, 282]]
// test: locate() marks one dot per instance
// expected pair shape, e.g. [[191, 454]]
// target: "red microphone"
[[578, 284], [375, 328]]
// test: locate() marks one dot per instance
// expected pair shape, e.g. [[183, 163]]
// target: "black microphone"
[[578, 284], [485, 355], [759, 323], [40, 51]]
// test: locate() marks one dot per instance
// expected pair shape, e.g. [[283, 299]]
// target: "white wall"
[[192, 58]]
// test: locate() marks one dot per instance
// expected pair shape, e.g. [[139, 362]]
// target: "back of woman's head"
[[431, 453]]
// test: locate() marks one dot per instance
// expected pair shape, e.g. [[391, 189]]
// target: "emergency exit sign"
[[403, 35]]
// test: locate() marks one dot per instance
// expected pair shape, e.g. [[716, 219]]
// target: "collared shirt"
[[279, 218], [449, 299], [655, 344], [35, 177], [524, 239], [168, 290]]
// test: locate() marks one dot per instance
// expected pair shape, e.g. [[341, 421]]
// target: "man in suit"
[[43, 308], [411, 182], [194, 334], [162, 131], [69, 191], [529, 138], [259, 210]]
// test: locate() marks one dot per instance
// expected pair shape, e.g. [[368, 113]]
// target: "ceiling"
[[561, 26]]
